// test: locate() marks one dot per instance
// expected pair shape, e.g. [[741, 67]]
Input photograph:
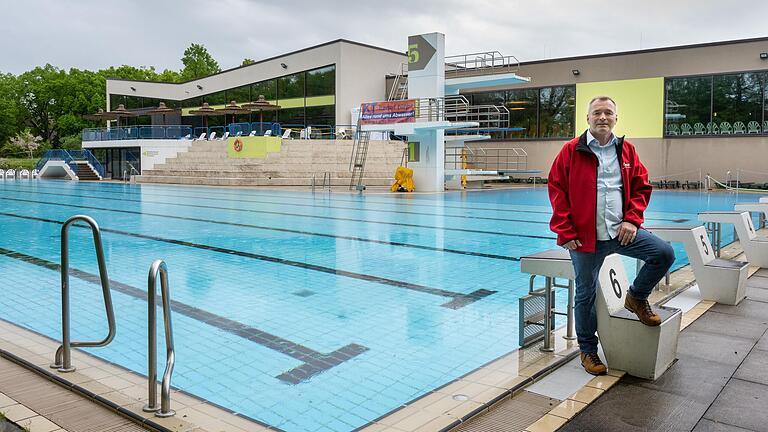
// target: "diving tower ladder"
[[359, 154]]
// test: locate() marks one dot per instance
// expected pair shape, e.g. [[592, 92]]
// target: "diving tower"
[[434, 105]]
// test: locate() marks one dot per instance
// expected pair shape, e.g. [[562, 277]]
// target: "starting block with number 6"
[[629, 345]]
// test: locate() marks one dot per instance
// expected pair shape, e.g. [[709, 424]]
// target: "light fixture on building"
[[199, 87], [133, 88], [764, 56], [575, 71], [284, 66]]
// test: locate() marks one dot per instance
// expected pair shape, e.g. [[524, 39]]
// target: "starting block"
[[719, 280], [629, 345]]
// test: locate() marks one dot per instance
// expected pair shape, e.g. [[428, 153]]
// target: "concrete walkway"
[[719, 383]]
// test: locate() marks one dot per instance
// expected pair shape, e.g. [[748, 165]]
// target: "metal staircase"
[[399, 89], [359, 154]]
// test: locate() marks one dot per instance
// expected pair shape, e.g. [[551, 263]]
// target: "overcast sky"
[[90, 34]]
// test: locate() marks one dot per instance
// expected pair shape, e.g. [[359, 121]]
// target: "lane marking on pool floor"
[[267, 228], [314, 362], [229, 198], [458, 300], [310, 216]]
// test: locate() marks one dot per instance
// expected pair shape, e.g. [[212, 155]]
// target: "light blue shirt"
[[609, 212]]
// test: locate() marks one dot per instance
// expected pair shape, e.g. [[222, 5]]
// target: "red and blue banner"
[[403, 111]]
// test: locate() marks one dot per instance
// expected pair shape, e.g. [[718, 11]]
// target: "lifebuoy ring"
[[238, 145]]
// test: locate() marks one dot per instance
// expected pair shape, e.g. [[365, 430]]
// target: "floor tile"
[[711, 426], [754, 368], [741, 404]]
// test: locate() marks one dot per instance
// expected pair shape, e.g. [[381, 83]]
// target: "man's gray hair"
[[602, 99]]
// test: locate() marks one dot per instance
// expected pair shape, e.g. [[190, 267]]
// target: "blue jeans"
[[658, 256]]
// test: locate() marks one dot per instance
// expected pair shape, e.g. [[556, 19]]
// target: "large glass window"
[[716, 105], [291, 116], [547, 112], [218, 98], [321, 82], [523, 104], [267, 88], [557, 112], [239, 94], [291, 86], [737, 100]]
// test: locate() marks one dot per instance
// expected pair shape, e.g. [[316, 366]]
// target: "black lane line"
[[226, 198], [314, 362], [459, 300], [304, 216], [285, 230], [398, 198]]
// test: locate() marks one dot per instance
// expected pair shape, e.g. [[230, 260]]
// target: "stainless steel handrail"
[[165, 392], [62, 359]]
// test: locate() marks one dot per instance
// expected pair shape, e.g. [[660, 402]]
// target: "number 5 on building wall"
[[413, 53]]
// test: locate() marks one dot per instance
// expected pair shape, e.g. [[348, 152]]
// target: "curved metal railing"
[[62, 359], [164, 410]]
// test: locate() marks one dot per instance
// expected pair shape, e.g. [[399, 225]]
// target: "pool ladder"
[[164, 410], [63, 359]]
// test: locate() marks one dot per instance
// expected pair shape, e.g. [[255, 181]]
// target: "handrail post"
[[62, 358], [164, 410]]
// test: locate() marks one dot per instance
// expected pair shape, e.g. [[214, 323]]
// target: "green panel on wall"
[[640, 105]]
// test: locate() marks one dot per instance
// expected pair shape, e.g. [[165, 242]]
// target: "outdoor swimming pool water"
[[304, 312]]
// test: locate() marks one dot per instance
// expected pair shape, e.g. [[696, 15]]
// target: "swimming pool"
[[304, 312]]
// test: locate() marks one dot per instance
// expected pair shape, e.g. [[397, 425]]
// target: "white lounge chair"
[[287, 134], [212, 137], [268, 133], [201, 137], [253, 133], [225, 136]]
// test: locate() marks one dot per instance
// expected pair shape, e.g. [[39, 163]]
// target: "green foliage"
[[18, 163], [198, 63], [247, 61], [51, 102]]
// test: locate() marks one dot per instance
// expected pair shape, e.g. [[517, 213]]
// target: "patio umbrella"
[[232, 108], [162, 109], [100, 115], [205, 111], [261, 105], [121, 112]]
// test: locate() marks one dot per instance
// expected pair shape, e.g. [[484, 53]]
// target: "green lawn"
[[17, 163]]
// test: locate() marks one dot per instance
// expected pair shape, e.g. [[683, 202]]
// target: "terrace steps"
[[207, 163]]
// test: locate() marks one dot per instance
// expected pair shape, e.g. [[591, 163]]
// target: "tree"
[[248, 61], [10, 116], [26, 142], [198, 63]]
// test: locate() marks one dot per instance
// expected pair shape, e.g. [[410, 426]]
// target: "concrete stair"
[[207, 163]]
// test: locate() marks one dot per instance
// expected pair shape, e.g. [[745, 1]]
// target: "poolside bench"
[[755, 247], [535, 323], [629, 345], [719, 280]]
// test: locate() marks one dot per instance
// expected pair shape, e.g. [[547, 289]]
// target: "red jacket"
[[572, 187]]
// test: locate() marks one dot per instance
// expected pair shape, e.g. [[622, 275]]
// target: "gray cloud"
[[92, 34]]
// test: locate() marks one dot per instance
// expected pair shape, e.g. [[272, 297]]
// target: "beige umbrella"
[[162, 109], [261, 105], [100, 115], [232, 108], [205, 111], [121, 112]]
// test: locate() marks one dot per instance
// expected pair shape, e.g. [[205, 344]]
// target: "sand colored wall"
[[664, 157]]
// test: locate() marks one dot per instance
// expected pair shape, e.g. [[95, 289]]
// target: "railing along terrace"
[[488, 117], [137, 132], [482, 63]]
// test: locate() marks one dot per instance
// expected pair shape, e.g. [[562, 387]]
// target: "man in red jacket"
[[599, 190]]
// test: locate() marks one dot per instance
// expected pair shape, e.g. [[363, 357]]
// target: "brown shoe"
[[592, 364], [643, 310]]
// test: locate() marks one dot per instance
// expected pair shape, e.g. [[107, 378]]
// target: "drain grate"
[[511, 415]]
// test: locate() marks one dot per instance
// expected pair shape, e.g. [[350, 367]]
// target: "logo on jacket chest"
[[627, 165]]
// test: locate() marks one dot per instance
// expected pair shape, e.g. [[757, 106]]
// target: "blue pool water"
[[304, 312]]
